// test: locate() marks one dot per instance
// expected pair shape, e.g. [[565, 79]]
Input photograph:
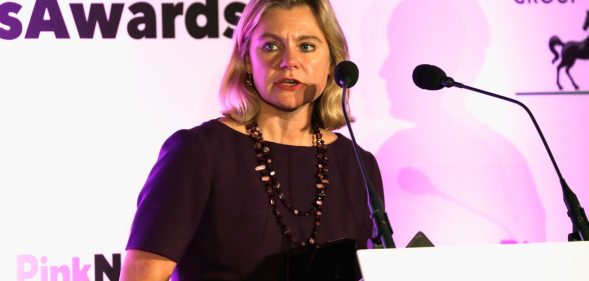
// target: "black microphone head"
[[346, 74], [429, 77]]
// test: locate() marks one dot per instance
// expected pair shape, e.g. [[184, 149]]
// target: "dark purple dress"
[[204, 206]]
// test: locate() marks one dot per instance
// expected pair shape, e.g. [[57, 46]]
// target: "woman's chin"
[[289, 106]]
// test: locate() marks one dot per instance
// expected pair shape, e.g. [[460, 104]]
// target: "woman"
[[268, 176]]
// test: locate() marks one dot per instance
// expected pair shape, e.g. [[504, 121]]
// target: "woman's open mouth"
[[289, 84]]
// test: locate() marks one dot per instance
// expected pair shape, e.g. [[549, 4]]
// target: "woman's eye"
[[268, 47], [305, 47]]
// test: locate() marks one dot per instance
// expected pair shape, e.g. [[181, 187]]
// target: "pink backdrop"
[[83, 120]]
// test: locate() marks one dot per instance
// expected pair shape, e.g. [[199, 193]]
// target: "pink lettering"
[[79, 274], [26, 267], [62, 270]]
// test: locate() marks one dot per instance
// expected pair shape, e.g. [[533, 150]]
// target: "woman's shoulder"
[[344, 146], [209, 132], [231, 124], [215, 127]]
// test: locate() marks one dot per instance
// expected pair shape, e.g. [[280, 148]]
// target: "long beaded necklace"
[[274, 191]]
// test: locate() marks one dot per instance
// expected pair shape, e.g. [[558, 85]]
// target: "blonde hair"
[[240, 101]]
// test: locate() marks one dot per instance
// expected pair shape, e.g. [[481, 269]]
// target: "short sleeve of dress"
[[173, 198]]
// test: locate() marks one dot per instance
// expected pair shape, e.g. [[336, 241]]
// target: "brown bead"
[[319, 186], [265, 178], [260, 167]]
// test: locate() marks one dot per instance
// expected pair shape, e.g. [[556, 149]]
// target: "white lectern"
[[563, 261]]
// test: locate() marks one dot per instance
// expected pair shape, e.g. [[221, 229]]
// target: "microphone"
[[431, 77], [346, 76]]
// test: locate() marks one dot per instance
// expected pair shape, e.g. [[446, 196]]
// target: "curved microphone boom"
[[431, 77], [346, 76]]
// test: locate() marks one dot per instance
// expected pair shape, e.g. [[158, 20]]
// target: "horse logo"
[[570, 52]]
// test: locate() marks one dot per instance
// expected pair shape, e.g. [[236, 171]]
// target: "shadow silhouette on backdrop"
[[450, 175], [570, 52]]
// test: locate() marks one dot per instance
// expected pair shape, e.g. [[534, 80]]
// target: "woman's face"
[[289, 58]]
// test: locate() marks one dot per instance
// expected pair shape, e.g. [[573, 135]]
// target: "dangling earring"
[[249, 79]]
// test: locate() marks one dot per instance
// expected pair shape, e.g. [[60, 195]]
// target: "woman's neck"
[[291, 128]]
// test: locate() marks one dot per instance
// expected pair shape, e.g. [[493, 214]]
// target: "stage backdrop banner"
[[90, 90]]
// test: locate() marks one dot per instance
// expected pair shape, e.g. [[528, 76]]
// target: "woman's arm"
[[145, 266]]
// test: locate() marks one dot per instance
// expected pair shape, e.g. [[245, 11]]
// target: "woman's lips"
[[289, 84]]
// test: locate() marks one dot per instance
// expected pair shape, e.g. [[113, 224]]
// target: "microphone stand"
[[574, 209], [378, 214]]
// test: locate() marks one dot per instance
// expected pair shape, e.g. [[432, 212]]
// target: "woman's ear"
[[248, 65]]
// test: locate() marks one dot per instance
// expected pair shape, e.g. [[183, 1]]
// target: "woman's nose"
[[290, 59]]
